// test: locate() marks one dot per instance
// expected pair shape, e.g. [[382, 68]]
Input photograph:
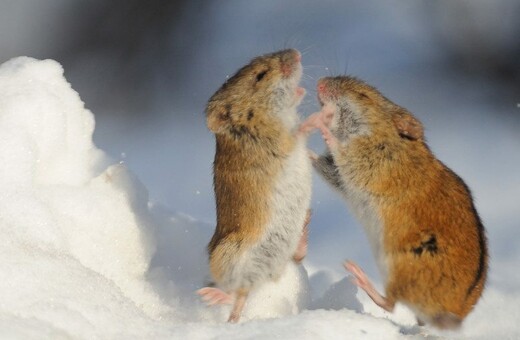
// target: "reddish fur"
[[243, 195], [251, 145], [245, 167], [416, 197]]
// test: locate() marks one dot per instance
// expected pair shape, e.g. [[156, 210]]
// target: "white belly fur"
[[359, 204], [290, 201]]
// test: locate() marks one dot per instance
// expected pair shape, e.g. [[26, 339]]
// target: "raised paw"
[[330, 139], [311, 123], [327, 114], [213, 296]]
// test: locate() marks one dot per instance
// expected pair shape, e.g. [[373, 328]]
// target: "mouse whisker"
[[307, 49], [308, 76], [314, 66]]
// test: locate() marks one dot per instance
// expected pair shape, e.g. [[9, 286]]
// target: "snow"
[[85, 253]]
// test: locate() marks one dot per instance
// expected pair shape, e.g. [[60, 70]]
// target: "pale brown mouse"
[[425, 232], [262, 178]]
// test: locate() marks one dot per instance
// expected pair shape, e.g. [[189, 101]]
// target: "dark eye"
[[362, 95], [261, 75]]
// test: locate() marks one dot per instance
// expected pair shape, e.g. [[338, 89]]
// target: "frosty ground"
[[86, 254]]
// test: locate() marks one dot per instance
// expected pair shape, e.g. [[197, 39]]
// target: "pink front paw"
[[330, 139], [327, 113], [311, 123]]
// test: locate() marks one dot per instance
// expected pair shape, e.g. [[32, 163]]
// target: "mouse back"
[[427, 229]]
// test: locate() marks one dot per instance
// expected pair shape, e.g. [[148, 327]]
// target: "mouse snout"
[[289, 59], [298, 56], [300, 92], [321, 86], [326, 90], [291, 56]]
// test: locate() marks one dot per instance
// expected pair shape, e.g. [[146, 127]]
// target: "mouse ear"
[[408, 126], [217, 118]]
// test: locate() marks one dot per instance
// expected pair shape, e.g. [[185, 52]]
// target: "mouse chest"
[[290, 199], [292, 189]]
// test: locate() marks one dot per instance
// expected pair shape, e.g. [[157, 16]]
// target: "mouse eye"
[[261, 75]]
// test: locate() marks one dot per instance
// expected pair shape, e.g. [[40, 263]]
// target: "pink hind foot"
[[238, 306], [214, 296], [361, 280], [301, 250]]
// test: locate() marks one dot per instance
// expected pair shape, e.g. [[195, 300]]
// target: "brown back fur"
[[433, 237]]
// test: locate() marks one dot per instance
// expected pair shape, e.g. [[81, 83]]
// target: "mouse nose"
[[298, 57], [321, 85], [291, 56]]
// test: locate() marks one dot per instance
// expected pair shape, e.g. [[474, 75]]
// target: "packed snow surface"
[[84, 254]]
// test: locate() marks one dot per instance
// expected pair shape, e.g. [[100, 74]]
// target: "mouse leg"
[[301, 250], [238, 307], [362, 281], [213, 296]]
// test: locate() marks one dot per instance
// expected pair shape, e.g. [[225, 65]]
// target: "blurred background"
[[147, 68]]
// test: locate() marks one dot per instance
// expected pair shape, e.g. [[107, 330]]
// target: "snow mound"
[[73, 236]]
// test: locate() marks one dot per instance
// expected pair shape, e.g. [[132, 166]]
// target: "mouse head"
[[360, 109], [266, 88]]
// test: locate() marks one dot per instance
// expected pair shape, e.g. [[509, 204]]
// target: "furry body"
[[262, 177], [268, 225], [419, 216]]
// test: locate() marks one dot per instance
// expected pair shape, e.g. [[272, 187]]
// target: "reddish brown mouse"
[[262, 178], [426, 235]]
